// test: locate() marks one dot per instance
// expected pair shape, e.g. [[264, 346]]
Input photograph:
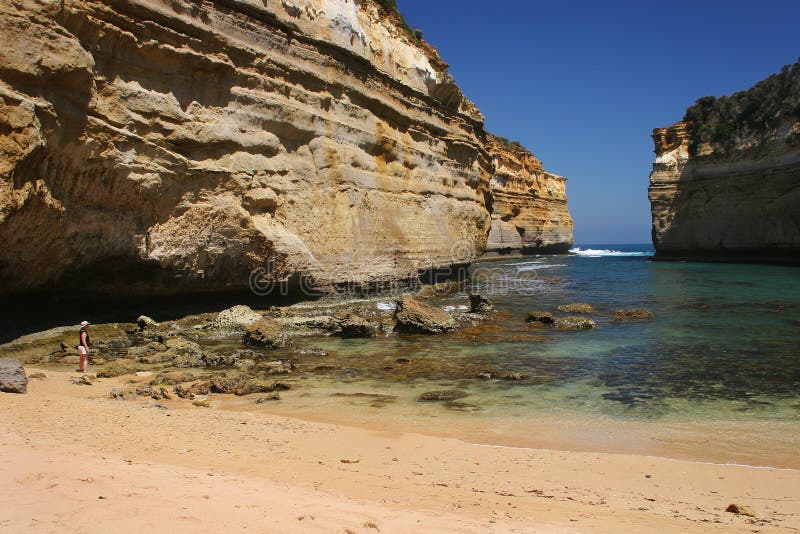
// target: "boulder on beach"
[[628, 314], [577, 307], [574, 322], [480, 304], [266, 332], [353, 325], [541, 317], [412, 316], [12, 376]]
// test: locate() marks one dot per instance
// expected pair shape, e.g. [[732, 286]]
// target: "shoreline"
[[199, 469]]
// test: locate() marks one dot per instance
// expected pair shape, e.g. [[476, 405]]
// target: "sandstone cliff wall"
[[725, 184], [156, 146], [529, 204]]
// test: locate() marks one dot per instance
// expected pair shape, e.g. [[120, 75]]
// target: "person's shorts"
[[82, 350]]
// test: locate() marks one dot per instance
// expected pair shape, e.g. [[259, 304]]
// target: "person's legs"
[[84, 359]]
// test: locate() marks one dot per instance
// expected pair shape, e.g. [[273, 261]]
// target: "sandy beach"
[[75, 460]]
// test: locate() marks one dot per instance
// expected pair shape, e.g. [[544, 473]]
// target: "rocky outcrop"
[[726, 181], [528, 205], [166, 146]]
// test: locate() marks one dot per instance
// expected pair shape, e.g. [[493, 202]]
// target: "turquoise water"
[[723, 344]]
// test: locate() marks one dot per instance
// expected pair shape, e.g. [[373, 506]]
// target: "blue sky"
[[582, 84]]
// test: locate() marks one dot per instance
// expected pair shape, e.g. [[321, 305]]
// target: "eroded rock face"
[[725, 180], [529, 204], [156, 146], [178, 145]]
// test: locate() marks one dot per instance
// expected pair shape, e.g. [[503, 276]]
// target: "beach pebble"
[[740, 509]]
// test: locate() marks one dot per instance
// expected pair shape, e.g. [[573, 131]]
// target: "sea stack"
[[158, 147], [725, 184]]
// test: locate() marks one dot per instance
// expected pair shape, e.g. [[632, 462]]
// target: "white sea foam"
[[385, 306], [538, 266], [602, 253], [452, 308]]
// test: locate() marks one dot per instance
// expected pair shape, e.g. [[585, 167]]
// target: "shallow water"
[[719, 362]]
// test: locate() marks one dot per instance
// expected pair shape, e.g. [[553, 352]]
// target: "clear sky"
[[582, 84]]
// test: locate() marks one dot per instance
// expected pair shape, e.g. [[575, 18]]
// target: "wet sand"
[[75, 460]]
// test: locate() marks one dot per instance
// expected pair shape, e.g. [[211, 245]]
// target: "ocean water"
[[719, 360]]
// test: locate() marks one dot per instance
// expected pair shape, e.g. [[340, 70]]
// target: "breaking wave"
[[601, 253]]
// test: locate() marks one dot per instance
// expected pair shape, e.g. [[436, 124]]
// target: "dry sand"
[[74, 460]]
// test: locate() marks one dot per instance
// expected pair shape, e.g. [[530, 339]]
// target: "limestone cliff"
[[157, 146], [529, 204], [726, 181]]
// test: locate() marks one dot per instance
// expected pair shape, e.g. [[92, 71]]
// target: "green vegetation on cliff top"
[[748, 118]]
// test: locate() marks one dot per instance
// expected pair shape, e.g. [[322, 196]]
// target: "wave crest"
[[602, 253]]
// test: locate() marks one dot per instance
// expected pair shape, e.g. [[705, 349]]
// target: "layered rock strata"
[[529, 204], [155, 146], [726, 181]]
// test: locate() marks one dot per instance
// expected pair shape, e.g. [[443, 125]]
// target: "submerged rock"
[[542, 317], [12, 376], [353, 325], [445, 395], [266, 332], [577, 307], [480, 304], [632, 313], [413, 316], [574, 322]]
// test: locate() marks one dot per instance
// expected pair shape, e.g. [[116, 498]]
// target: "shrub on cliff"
[[747, 118]]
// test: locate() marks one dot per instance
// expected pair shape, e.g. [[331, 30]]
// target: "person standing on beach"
[[84, 344]]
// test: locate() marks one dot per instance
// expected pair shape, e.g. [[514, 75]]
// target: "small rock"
[[158, 405], [189, 392], [266, 332], [38, 375], [632, 313], [413, 316], [116, 393], [273, 396], [577, 307], [480, 304], [144, 322], [12, 376], [514, 376], [84, 380], [484, 375], [353, 325], [446, 395], [542, 317], [403, 360], [202, 403], [236, 318], [574, 322], [740, 509]]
